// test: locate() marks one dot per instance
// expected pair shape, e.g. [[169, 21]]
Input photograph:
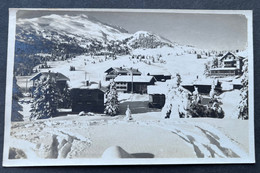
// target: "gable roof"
[[140, 79], [92, 87], [124, 70], [134, 71], [157, 88], [232, 54], [201, 81], [118, 69], [57, 76]]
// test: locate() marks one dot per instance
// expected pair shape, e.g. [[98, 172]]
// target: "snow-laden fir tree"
[[243, 104], [212, 109], [176, 101], [112, 103], [65, 98], [45, 99]]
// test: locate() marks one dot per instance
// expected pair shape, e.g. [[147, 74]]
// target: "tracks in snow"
[[207, 141]]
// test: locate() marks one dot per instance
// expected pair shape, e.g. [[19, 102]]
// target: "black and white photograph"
[[129, 87]]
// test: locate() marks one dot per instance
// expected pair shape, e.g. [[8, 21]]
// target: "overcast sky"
[[209, 31]]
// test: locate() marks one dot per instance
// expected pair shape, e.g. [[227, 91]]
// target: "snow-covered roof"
[[134, 71], [145, 79], [158, 88], [200, 81], [57, 76], [162, 88], [124, 70], [232, 54], [93, 86], [159, 72]]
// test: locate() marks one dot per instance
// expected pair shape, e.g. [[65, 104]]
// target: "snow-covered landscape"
[[86, 89]]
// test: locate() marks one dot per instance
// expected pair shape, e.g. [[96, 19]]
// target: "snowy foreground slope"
[[89, 137]]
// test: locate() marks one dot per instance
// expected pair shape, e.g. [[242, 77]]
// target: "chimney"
[[87, 83]]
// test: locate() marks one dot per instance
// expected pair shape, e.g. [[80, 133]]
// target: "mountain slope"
[[79, 28], [144, 39]]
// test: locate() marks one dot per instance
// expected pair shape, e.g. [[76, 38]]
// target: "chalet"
[[229, 65], [204, 86], [88, 99], [113, 72], [160, 76], [59, 78], [135, 84]]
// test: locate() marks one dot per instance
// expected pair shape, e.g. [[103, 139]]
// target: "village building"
[[135, 84], [229, 65], [89, 98], [157, 95], [160, 76], [113, 72], [59, 78], [203, 85]]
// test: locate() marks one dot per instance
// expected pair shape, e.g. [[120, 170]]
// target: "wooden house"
[[156, 100], [203, 86], [157, 94], [160, 76], [229, 65], [135, 84], [113, 72], [88, 99], [59, 78]]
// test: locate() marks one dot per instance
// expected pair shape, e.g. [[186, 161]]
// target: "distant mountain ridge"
[[81, 30]]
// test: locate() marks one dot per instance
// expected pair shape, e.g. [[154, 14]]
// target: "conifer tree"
[[243, 104], [45, 99], [112, 103], [65, 98]]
